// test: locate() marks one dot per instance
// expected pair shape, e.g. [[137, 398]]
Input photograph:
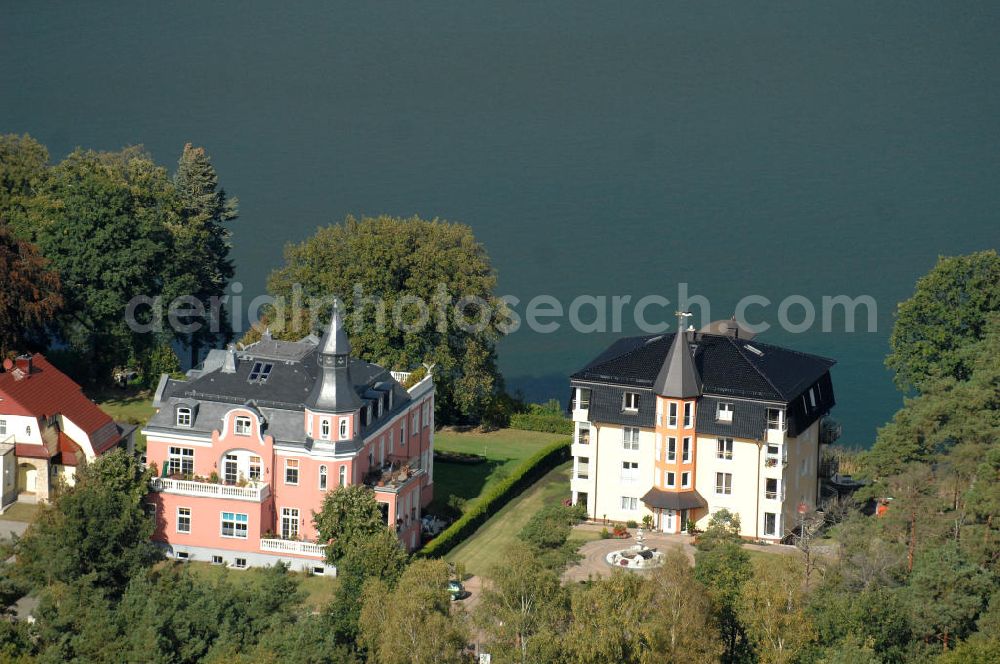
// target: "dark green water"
[[745, 148]]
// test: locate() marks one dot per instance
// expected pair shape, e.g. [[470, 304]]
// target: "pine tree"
[[201, 262]]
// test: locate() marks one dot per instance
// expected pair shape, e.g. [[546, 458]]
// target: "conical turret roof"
[[678, 377]]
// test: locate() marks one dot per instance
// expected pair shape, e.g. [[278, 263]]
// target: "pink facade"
[[290, 485], [241, 468]]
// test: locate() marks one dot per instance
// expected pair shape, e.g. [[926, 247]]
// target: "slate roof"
[[727, 366], [671, 500], [280, 399]]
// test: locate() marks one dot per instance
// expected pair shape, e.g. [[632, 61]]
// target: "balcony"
[[394, 475], [583, 472], [293, 547], [255, 492]]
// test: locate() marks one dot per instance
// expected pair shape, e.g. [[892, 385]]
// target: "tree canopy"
[[950, 308], [29, 295], [400, 262]]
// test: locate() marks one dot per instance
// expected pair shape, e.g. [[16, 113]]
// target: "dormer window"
[[242, 426], [183, 417], [324, 430], [630, 402], [724, 412], [380, 405], [343, 428]]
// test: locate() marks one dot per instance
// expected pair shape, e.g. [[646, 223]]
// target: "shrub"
[[544, 422], [605, 534], [496, 497], [631, 523], [549, 527]]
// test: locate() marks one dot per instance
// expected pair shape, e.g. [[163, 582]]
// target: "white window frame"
[[672, 415], [3, 427], [688, 414], [630, 471], [671, 479], [323, 478], [343, 428], [686, 479], [724, 484], [342, 475], [293, 520], [774, 531], [672, 448], [255, 463], [415, 428], [242, 426], [724, 449], [184, 418], [781, 422], [686, 450], [324, 429], [184, 531], [176, 456], [235, 521], [724, 411], [630, 402], [629, 503], [630, 438], [292, 464]]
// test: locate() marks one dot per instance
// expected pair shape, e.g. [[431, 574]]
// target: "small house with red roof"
[[48, 427]]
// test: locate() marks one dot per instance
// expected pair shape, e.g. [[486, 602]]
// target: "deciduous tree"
[[400, 262], [950, 308], [349, 514]]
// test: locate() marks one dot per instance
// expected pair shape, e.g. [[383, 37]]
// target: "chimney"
[[732, 328], [229, 364], [23, 363]]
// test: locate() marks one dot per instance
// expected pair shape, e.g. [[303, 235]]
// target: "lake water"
[[743, 148]]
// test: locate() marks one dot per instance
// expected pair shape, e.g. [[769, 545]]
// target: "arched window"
[[183, 417], [343, 428], [343, 476], [322, 478], [324, 430]]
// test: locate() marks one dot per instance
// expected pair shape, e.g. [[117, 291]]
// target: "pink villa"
[[249, 444]]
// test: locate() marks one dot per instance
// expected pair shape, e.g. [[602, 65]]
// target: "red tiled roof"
[[69, 450], [47, 391], [31, 451]]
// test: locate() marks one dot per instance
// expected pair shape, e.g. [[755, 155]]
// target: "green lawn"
[[319, 589], [126, 405], [23, 512], [485, 547], [130, 405], [504, 450]]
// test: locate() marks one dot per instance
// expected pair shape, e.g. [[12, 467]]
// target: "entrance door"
[[27, 479], [684, 521], [669, 521]]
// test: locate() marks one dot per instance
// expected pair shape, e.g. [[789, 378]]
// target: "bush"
[[547, 418], [496, 497], [631, 523], [605, 534], [549, 527]]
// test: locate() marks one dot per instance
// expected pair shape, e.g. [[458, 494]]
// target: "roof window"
[[260, 372]]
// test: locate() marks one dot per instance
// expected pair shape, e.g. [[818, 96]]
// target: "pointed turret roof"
[[678, 378], [334, 391]]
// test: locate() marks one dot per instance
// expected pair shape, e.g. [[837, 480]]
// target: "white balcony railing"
[[255, 493], [293, 547], [400, 376]]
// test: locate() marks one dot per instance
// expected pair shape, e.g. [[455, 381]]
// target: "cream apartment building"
[[678, 426]]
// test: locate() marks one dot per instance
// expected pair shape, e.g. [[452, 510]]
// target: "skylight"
[[260, 372], [754, 350]]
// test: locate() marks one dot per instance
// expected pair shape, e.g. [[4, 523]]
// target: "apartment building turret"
[[676, 426]]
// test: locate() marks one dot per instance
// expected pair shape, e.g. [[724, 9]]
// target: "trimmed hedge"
[[542, 421], [496, 497]]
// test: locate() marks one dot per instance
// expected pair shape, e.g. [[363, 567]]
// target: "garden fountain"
[[638, 556]]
